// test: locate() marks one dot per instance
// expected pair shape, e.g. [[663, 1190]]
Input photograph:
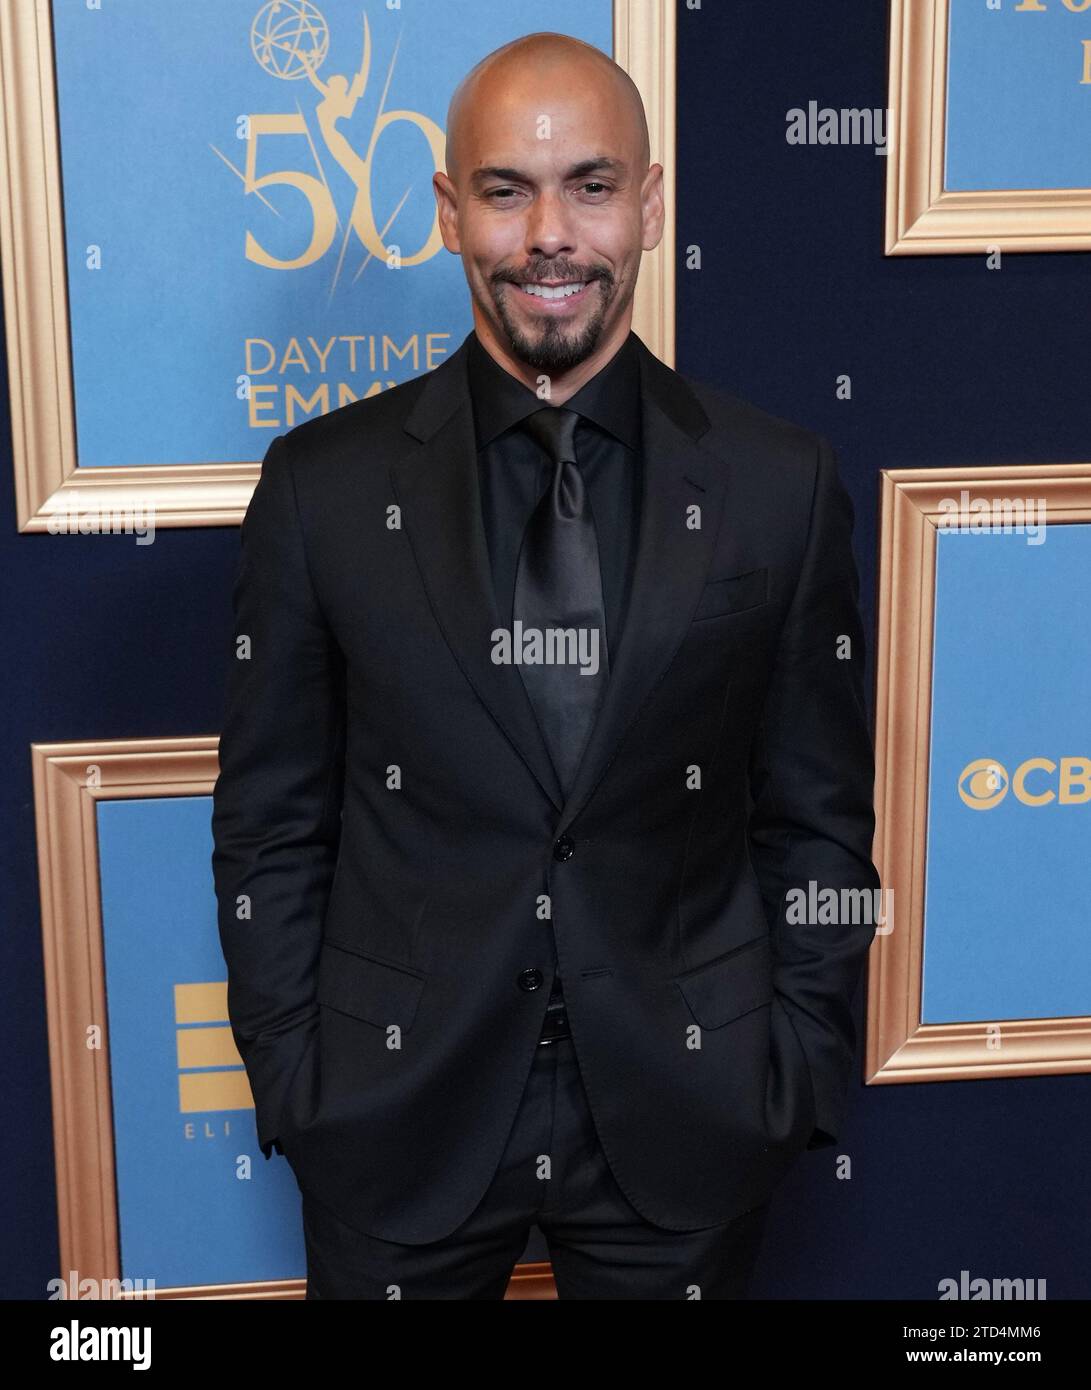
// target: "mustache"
[[551, 275]]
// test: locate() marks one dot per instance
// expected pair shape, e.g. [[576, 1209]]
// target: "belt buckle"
[[555, 1027]]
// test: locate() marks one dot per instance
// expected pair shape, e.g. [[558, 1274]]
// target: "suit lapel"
[[436, 485], [671, 564]]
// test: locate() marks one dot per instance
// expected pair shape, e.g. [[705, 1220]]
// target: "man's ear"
[[447, 205], [652, 209]]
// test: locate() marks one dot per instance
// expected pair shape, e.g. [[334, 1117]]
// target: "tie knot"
[[555, 430]]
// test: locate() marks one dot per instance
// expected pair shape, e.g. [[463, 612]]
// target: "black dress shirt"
[[514, 471]]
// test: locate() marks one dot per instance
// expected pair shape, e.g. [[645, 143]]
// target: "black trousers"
[[554, 1173]]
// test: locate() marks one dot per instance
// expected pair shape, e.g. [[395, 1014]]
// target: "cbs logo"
[[984, 783]]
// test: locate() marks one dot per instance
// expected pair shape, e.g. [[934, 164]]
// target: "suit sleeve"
[[812, 781], [277, 800]]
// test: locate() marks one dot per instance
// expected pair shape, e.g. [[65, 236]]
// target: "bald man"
[[551, 707]]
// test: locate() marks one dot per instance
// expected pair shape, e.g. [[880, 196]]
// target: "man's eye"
[[504, 195]]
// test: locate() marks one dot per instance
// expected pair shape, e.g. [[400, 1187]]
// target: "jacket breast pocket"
[[734, 593], [724, 989], [368, 988]]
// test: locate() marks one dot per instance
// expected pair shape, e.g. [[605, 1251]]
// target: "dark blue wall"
[[950, 363]]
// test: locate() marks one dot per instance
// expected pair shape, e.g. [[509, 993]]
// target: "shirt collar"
[[611, 399]]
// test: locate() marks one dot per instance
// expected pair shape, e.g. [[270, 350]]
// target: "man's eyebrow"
[[599, 164]]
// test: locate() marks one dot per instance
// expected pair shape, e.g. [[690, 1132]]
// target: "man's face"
[[551, 219]]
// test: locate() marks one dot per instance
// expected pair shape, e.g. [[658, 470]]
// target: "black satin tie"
[[558, 584]]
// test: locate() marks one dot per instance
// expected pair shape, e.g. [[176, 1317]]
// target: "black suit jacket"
[[386, 814]]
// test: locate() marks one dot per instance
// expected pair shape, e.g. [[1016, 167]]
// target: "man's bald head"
[[483, 87], [550, 201]]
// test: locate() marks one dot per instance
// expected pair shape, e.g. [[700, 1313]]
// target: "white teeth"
[[553, 292]]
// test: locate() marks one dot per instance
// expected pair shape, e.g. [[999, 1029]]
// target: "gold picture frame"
[[900, 1047], [47, 472], [922, 217]]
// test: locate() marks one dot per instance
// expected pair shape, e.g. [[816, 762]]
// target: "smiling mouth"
[[564, 290]]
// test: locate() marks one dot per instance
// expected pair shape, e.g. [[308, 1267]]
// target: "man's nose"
[[549, 226]]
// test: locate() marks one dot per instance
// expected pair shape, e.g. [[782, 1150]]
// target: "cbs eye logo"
[[984, 783]]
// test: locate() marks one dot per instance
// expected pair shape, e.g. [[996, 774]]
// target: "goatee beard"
[[555, 350]]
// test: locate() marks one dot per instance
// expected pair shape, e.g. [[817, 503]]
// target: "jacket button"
[[565, 848], [530, 979]]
